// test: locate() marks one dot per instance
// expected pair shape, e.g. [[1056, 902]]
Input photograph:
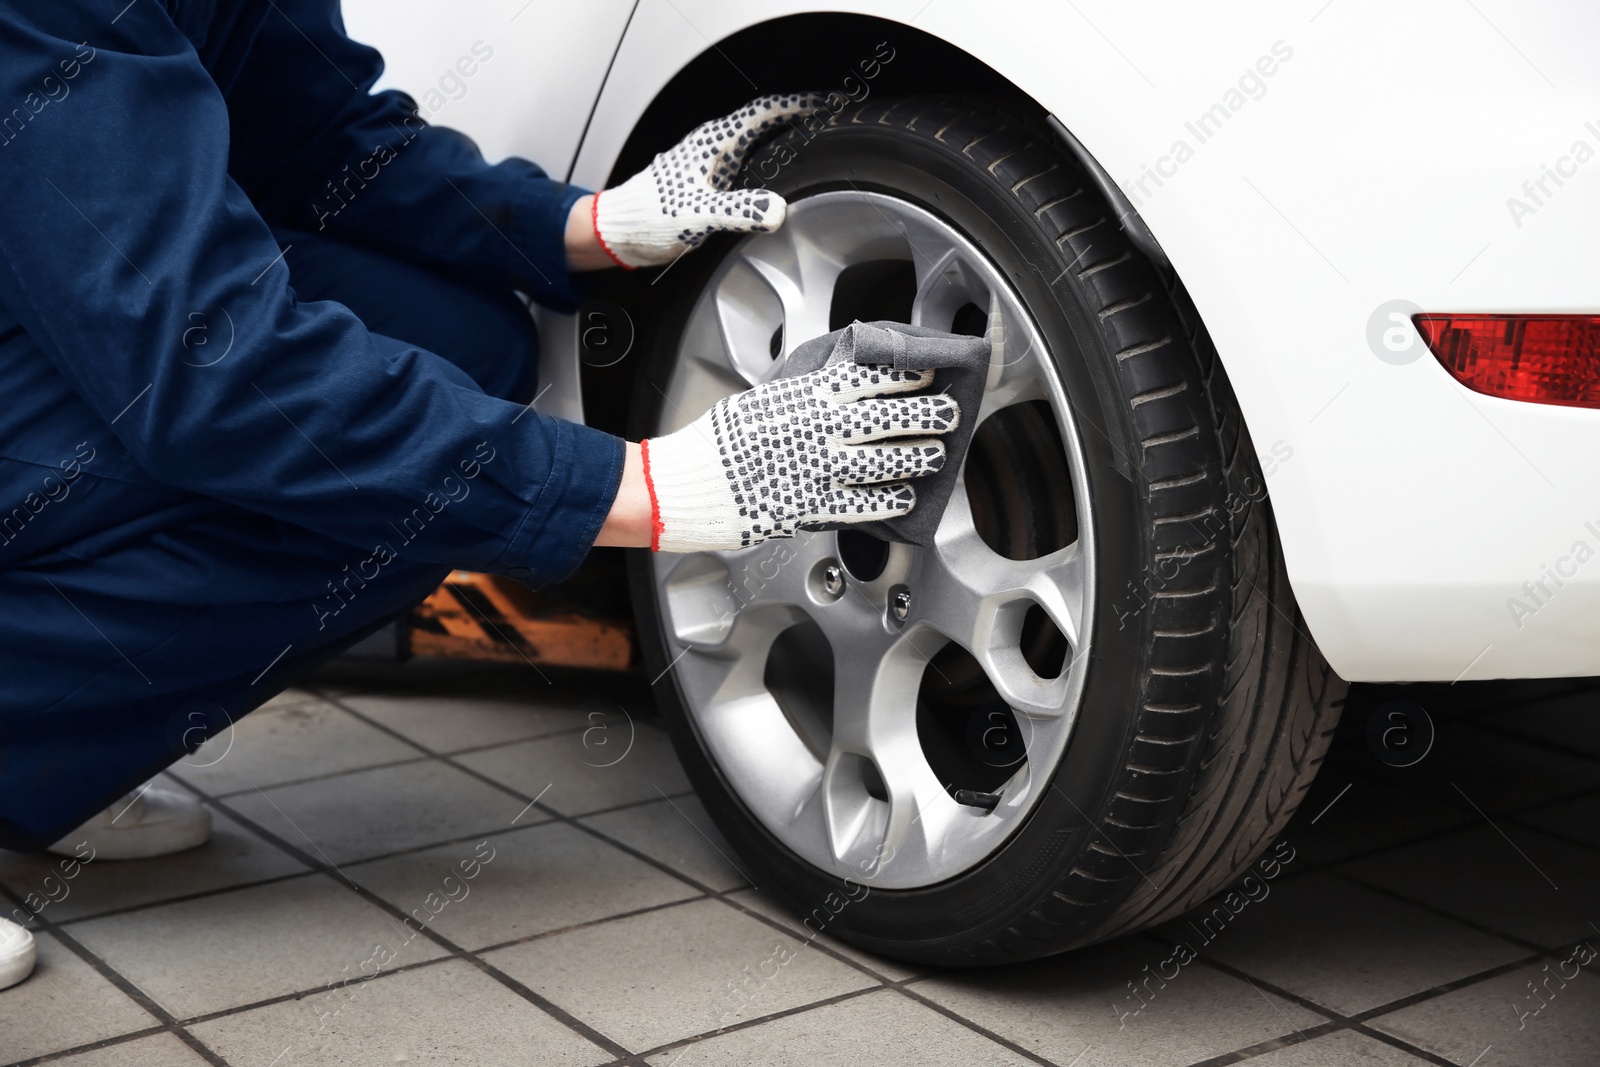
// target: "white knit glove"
[[807, 449], [687, 192]]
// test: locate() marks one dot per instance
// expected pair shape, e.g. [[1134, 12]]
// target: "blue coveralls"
[[220, 461]]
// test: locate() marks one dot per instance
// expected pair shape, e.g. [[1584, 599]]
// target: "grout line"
[[1467, 823], [1272, 1044], [300, 994], [901, 985], [706, 890], [1336, 1022], [310, 778], [168, 1022], [1441, 913], [93, 1046], [452, 950], [950, 1014], [586, 924], [747, 1024], [199, 894], [1358, 1020]]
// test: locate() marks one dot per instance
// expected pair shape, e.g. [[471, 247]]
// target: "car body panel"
[[1363, 154]]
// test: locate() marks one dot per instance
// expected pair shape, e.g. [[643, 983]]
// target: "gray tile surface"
[[813, 932], [587, 776], [599, 923], [536, 879], [1340, 945], [679, 833], [287, 742], [444, 1013], [1484, 771], [674, 973], [236, 948], [1080, 1007], [1510, 879], [370, 813], [1342, 1048], [449, 723], [882, 1029], [233, 856], [1368, 815], [1578, 819], [1570, 723], [156, 1050], [1460, 1025], [65, 1004]]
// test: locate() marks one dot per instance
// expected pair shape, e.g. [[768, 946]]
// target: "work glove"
[[831, 446], [687, 191]]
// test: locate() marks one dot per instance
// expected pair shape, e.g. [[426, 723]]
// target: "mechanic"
[[268, 376]]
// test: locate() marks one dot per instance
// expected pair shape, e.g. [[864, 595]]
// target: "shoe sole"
[[18, 965]]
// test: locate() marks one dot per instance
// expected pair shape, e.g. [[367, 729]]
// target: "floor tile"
[[883, 1029], [232, 857], [1342, 1048], [285, 743], [674, 973], [65, 1004], [1369, 815], [288, 697], [1570, 722], [535, 879], [1339, 944], [811, 930], [1060, 1007], [1531, 886], [369, 813], [449, 723], [1461, 1025], [235, 948], [444, 1013], [1485, 772], [585, 777], [156, 1050], [679, 833], [1578, 819]]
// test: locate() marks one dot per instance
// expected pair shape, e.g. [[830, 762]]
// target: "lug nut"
[[833, 580], [900, 605]]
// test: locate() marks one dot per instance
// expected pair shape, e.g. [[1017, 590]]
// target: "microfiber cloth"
[[960, 364]]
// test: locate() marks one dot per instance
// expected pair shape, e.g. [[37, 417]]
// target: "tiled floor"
[[455, 865]]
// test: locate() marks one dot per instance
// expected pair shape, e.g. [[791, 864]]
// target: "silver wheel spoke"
[[1015, 373], [978, 598], [714, 596], [876, 748], [801, 275], [802, 681]]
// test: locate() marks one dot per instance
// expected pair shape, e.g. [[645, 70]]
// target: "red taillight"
[[1543, 359]]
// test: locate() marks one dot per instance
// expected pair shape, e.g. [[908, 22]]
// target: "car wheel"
[[1091, 703]]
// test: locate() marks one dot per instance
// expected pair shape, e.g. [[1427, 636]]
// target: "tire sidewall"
[[932, 923]]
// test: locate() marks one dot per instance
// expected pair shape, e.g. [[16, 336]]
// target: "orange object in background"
[[488, 617]]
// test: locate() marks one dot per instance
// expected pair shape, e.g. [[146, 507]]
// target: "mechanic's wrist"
[[584, 251], [631, 521]]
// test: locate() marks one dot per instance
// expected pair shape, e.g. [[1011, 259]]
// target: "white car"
[[1297, 362]]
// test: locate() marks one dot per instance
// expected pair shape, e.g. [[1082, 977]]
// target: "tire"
[[1204, 709]]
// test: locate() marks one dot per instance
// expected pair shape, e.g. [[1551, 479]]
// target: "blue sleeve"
[[316, 150], [122, 231]]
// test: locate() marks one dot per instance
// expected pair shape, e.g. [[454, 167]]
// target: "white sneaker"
[[17, 953], [151, 821]]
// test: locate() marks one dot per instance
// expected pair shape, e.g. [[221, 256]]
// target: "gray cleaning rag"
[[960, 364]]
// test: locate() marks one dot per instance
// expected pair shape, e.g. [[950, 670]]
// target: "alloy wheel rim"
[[850, 789]]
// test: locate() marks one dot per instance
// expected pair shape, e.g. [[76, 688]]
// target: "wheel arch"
[[789, 52]]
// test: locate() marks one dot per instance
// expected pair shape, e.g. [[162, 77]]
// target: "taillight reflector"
[[1543, 359]]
